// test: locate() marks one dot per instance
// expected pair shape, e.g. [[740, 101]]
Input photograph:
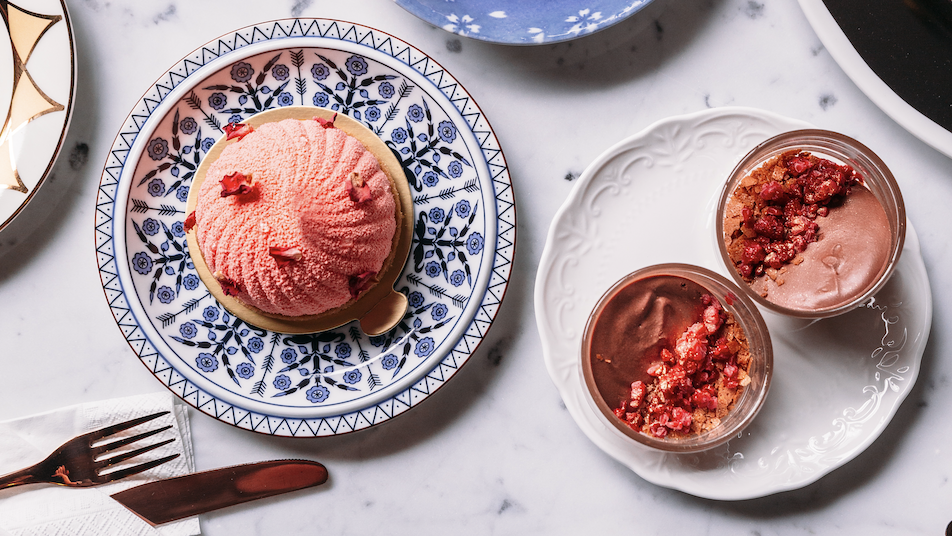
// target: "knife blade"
[[184, 496]]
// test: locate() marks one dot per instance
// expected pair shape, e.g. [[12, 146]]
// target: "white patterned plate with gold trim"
[[36, 96], [837, 382]]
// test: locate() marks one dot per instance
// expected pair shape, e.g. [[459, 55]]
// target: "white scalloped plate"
[[837, 382]]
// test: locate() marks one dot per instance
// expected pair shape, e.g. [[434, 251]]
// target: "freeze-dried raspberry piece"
[[228, 286], [358, 189], [189, 221], [237, 130], [361, 282], [285, 256], [325, 122], [235, 184]]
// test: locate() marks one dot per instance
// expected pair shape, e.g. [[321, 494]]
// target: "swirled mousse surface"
[[296, 242], [806, 233], [667, 358]]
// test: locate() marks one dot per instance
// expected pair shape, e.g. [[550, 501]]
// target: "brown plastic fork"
[[77, 462]]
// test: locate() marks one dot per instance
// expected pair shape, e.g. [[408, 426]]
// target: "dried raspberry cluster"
[[687, 377], [783, 200]]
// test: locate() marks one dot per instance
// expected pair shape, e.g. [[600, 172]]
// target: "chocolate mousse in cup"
[[811, 223], [676, 358], [299, 220]]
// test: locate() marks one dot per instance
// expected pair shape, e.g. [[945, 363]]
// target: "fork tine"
[[136, 469], [109, 430], [113, 460], [127, 440]]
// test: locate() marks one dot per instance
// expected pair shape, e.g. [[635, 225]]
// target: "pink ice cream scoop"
[[306, 222]]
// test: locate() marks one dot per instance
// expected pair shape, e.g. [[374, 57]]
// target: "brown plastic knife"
[[177, 498]]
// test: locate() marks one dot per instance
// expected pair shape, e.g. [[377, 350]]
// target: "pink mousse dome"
[[299, 199]]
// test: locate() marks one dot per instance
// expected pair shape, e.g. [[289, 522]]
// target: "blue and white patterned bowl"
[[335, 381], [524, 22]]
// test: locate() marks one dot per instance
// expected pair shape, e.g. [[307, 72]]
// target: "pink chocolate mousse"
[[305, 227]]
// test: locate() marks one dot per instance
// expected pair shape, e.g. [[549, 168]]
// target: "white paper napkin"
[[49, 510]]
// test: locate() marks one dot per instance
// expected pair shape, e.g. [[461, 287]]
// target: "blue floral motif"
[[158, 148], [285, 99], [318, 394], [281, 382], [241, 72], [352, 376], [165, 294], [280, 72], [188, 330], [385, 90], [343, 350], [424, 347], [433, 269], [210, 314], [217, 100], [320, 71], [438, 311], [415, 113], [177, 229], [190, 282], [156, 187], [389, 361], [399, 135], [320, 99], [430, 179], [289, 355], [207, 144], [463, 209], [447, 131], [235, 119], [207, 362], [457, 278], [142, 263], [255, 345], [474, 244], [372, 114], [455, 169], [182, 193], [245, 370], [151, 226], [416, 299], [188, 125], [436, 215], [356, 65]]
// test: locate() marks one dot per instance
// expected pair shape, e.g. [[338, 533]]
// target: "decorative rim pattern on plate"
[[833, 38], [35, 122], [656, 192], [530, 23], [327, 383]]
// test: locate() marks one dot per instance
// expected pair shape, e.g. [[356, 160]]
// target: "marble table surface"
[[494, 451]]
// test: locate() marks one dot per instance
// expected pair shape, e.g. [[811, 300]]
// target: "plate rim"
[[491, 159], [855, 67], [71, 37], [418, 10], [544, 320]]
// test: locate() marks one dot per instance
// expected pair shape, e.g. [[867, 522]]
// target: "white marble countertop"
[[494, 451]]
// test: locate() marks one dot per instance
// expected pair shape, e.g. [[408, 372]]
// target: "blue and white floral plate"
[[340, 380], [523, 23]]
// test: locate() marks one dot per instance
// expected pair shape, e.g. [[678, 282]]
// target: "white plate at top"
[[837, 383], [36, 97]]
